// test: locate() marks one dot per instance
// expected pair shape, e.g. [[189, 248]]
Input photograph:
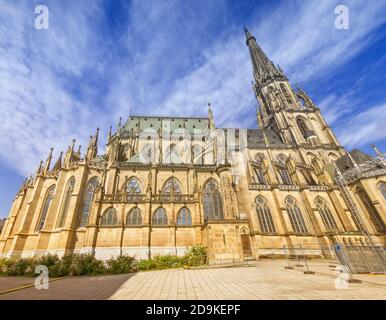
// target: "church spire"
[[263, 68]]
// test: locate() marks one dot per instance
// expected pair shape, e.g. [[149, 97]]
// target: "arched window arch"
[[66, 202], [382, 189], [90, 191], [326, 214], [212, 201], [197, 154], [264, 215], [373, 213], [184, 217], [171, 154], [133, 186], [134, 217], [303, 127], [46, 207], [109, 217], [258, 175], [295, 216], [160, 217], [285, 176], [172, 186]]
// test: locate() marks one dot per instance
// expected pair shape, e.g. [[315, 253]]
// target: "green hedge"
[[87, 264]]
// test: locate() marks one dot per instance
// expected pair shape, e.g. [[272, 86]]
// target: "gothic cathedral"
[[165, 184]]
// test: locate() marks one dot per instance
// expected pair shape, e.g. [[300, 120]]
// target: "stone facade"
[[167, 183]]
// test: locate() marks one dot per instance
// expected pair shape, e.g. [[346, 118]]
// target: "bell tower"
[[288, 112]]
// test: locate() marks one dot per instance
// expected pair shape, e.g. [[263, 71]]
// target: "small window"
[[160, 217], [134, 217], [109, 217], [184, 217]]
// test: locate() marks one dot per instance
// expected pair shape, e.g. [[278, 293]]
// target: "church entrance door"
[[246, 244]]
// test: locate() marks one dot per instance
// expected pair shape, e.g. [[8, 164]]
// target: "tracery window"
[[66, 202], [303, 127], [264, 215], [46, 207], [184, 217], [295, 215], [171, 186], [258, 175], [133, 186], [109, 217], [212, 201], [160, 217], [326, 214], [91, 186], [134, 217], [373, 213]]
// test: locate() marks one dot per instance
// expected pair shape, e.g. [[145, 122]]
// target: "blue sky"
[[99, 59]]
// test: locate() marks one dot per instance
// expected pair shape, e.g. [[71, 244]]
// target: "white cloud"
[[364, 128], [171, 59]]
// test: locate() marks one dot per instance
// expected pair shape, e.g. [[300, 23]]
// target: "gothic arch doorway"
[[246, 243]]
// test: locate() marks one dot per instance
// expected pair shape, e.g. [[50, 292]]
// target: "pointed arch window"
[[66, 202], [109, 217], [212, 201], [258, 175], [295, 216], [373, 213], [46, 207], [303, 127], [171, 186], [160, 217], [133, 186], [382, 189], [134, 217], [326, 214], [184, 217], [264, 215], [90, 191], [285, 176]]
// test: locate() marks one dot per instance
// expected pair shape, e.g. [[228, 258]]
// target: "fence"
[[357, 258]]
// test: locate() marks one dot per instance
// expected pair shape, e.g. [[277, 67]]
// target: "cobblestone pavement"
[[267, 280]]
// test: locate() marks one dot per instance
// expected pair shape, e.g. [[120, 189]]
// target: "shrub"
[[122, 264], [146, 265], [61, 268], [168, 261], [48, 260], [16, 266], [195, 256], [84, 264], [2, 262]]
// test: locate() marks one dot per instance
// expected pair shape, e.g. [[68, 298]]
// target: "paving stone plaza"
[[266, 280]]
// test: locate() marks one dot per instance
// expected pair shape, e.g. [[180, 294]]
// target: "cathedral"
[[164, 184]]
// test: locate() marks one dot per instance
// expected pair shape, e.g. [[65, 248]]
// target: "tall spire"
[[263, 68]]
